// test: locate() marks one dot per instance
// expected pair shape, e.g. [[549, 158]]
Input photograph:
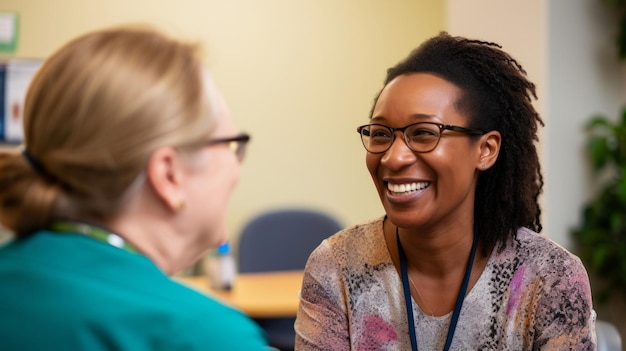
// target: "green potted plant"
[[601, 237]]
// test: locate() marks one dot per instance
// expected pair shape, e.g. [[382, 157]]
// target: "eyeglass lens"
[[239, 148], [420, 137], [236, 144]]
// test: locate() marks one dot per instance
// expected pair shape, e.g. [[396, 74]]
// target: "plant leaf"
[[621, 39], [599, 257], [598, 121], [621, 191], [599, 149]]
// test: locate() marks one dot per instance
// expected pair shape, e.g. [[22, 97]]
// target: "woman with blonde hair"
[[129, 160]]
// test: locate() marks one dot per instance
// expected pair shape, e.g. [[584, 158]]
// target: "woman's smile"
[[407, 191]]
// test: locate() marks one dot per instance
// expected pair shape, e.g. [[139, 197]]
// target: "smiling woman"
[[456, 262]]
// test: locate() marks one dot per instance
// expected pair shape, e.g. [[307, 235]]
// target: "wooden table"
[[259, 295]]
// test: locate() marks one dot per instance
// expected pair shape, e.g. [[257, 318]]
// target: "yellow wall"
[[299, 75]]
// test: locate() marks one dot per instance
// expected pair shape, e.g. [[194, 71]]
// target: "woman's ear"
[[489, 149], [165, 175]]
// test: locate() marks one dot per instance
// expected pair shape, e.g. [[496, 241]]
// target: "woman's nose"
[[399, 154]]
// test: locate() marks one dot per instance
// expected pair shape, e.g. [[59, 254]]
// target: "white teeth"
[[407, 188]]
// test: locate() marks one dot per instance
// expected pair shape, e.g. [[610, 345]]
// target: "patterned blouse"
[[532, 295]]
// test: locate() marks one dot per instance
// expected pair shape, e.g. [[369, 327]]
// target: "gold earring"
[[180, 204]]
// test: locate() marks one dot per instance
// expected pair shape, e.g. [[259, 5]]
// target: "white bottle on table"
[[220, 268]]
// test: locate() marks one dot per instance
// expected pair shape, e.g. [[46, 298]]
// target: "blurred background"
[[300, 76]]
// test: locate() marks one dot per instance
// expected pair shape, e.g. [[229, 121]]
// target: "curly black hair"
[[496, 95]]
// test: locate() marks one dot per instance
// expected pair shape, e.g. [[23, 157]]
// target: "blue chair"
[[282, 240]]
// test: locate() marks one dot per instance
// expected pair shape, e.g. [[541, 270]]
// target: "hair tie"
[[35, 164]]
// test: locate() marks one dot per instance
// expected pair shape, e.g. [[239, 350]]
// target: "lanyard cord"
[[94, 232], [459, 299]]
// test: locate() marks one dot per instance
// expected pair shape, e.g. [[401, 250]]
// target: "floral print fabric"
[[532, 295]]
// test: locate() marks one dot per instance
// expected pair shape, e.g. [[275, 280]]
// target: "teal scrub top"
[[67, 291]]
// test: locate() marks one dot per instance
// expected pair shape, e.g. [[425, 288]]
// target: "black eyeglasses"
[[419, 137], [237, 144]]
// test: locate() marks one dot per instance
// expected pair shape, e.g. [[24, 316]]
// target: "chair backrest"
[[283, 239], [608, 336]]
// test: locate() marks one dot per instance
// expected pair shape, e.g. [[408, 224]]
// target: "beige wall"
[[299, 75]]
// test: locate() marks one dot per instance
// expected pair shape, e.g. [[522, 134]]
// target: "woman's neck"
[[437, 253], [436, 264], [156, 241]]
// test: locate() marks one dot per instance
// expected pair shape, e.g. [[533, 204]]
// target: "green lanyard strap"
[[94, 232]]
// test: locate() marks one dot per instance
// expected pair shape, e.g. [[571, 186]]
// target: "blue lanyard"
[[94, 232], [459, 299]]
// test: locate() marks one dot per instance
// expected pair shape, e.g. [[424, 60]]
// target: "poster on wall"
[[15, 76], [9, 30]]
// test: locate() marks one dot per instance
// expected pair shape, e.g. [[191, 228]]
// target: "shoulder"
[[545, 254], [360, 242], [546, 287], [562, 289], [201, 322], [185, 302], [352, 260], [554, 272], [361, 233], [209, 324], [539, 264]]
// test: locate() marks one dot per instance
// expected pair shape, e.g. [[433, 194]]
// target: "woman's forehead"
[[417, 96]]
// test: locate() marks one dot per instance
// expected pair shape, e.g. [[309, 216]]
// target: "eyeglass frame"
[[240, 141], [442, 127]]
